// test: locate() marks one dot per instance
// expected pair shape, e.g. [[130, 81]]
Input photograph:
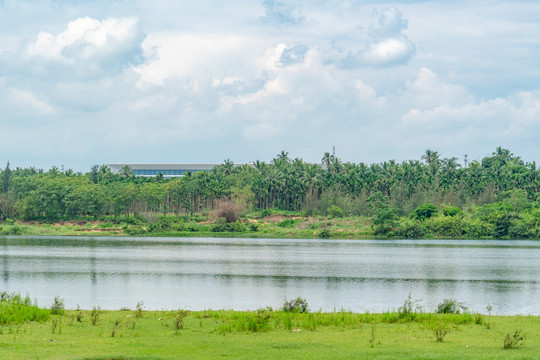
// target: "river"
[[240, 274]]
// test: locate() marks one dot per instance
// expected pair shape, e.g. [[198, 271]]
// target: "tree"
[[6, 179]]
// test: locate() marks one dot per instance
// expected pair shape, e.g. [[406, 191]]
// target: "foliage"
[[15, 309], [424, 212], [410, 230], [452, 211], [334, 211], [298, 305], [451, 306], [57, 307], [514, 340]]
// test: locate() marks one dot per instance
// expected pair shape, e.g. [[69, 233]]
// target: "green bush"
[[287, 223], [424, 212], [221, 225], [452, 211], [478, 229], [298, 305], [446, 226], [334, 211], [451, 306], [520, 230], [410, 230]]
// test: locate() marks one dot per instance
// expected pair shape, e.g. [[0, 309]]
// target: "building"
[[167, 170]]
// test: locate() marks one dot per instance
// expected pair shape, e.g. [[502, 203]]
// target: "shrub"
[[424, 211], [452, 211], [286, 223], [57, 307], [334, 211], [440, 329], [451, 306], [298, 305], [478, 229], [94, 315], [228, 210], [221, 225], [447, 226], [324, 234], [520, 230], [410, 230], [513, 340]]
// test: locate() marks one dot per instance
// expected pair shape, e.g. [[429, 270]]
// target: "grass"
[[265, 334]]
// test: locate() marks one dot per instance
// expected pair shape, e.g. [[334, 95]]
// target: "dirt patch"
[[278, 218], [99, 230]]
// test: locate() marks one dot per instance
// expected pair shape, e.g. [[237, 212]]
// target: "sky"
[[95, 82]]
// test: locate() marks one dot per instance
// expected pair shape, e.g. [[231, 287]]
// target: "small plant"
[[372, 338], [478, 319], [139, 309], [94, 315], [409, 308], [451, 306], [514, 340], [54, 324], [79, 314], [116, 324], [57, 307], [489, 308], [179, 320], [298, 305], [440, 329], [324, 234]]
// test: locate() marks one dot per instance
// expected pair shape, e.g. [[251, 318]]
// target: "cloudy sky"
[[93, 82]]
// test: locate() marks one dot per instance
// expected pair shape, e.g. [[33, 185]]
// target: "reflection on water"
[[171, 273]]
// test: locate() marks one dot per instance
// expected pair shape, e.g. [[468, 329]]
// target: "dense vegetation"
[[493, 198]]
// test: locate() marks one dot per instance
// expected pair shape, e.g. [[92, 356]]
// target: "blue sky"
[[93, 82]]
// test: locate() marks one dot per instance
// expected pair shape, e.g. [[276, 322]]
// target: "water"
[[196, 274]]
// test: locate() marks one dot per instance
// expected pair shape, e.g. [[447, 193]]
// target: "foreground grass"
[[266, 335]]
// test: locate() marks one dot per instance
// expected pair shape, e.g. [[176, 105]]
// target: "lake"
[[240, 274]]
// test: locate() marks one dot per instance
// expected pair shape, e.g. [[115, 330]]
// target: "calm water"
[[172, 273]]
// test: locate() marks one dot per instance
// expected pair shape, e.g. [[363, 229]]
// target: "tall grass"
[[14, 309]]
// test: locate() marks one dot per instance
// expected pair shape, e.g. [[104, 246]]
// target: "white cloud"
[[86, 48]]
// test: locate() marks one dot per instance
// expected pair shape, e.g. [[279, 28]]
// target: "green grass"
[[266, 334]]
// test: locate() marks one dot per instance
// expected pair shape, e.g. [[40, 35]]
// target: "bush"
[[286, 223], [410, 230], [479, 229], [451, 306], [298, 305], [447, 226], [221, 225], [520, 230], [514, 340], [334, 211], [452, 211], [424, 211], [229, 211], [57, 308], [324, 234]]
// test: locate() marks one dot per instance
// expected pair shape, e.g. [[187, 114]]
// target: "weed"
[[179, 320], [324, 234], [54, 324], [372, 338], [139, 309], [79, 314], [514, 340], [94, 315], [116, 324], [409, 309], [478, 319], [489, 308]]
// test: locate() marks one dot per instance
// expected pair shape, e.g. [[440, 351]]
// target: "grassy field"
[[27, 332]]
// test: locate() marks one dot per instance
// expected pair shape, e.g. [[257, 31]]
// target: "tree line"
[[283, 183]]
